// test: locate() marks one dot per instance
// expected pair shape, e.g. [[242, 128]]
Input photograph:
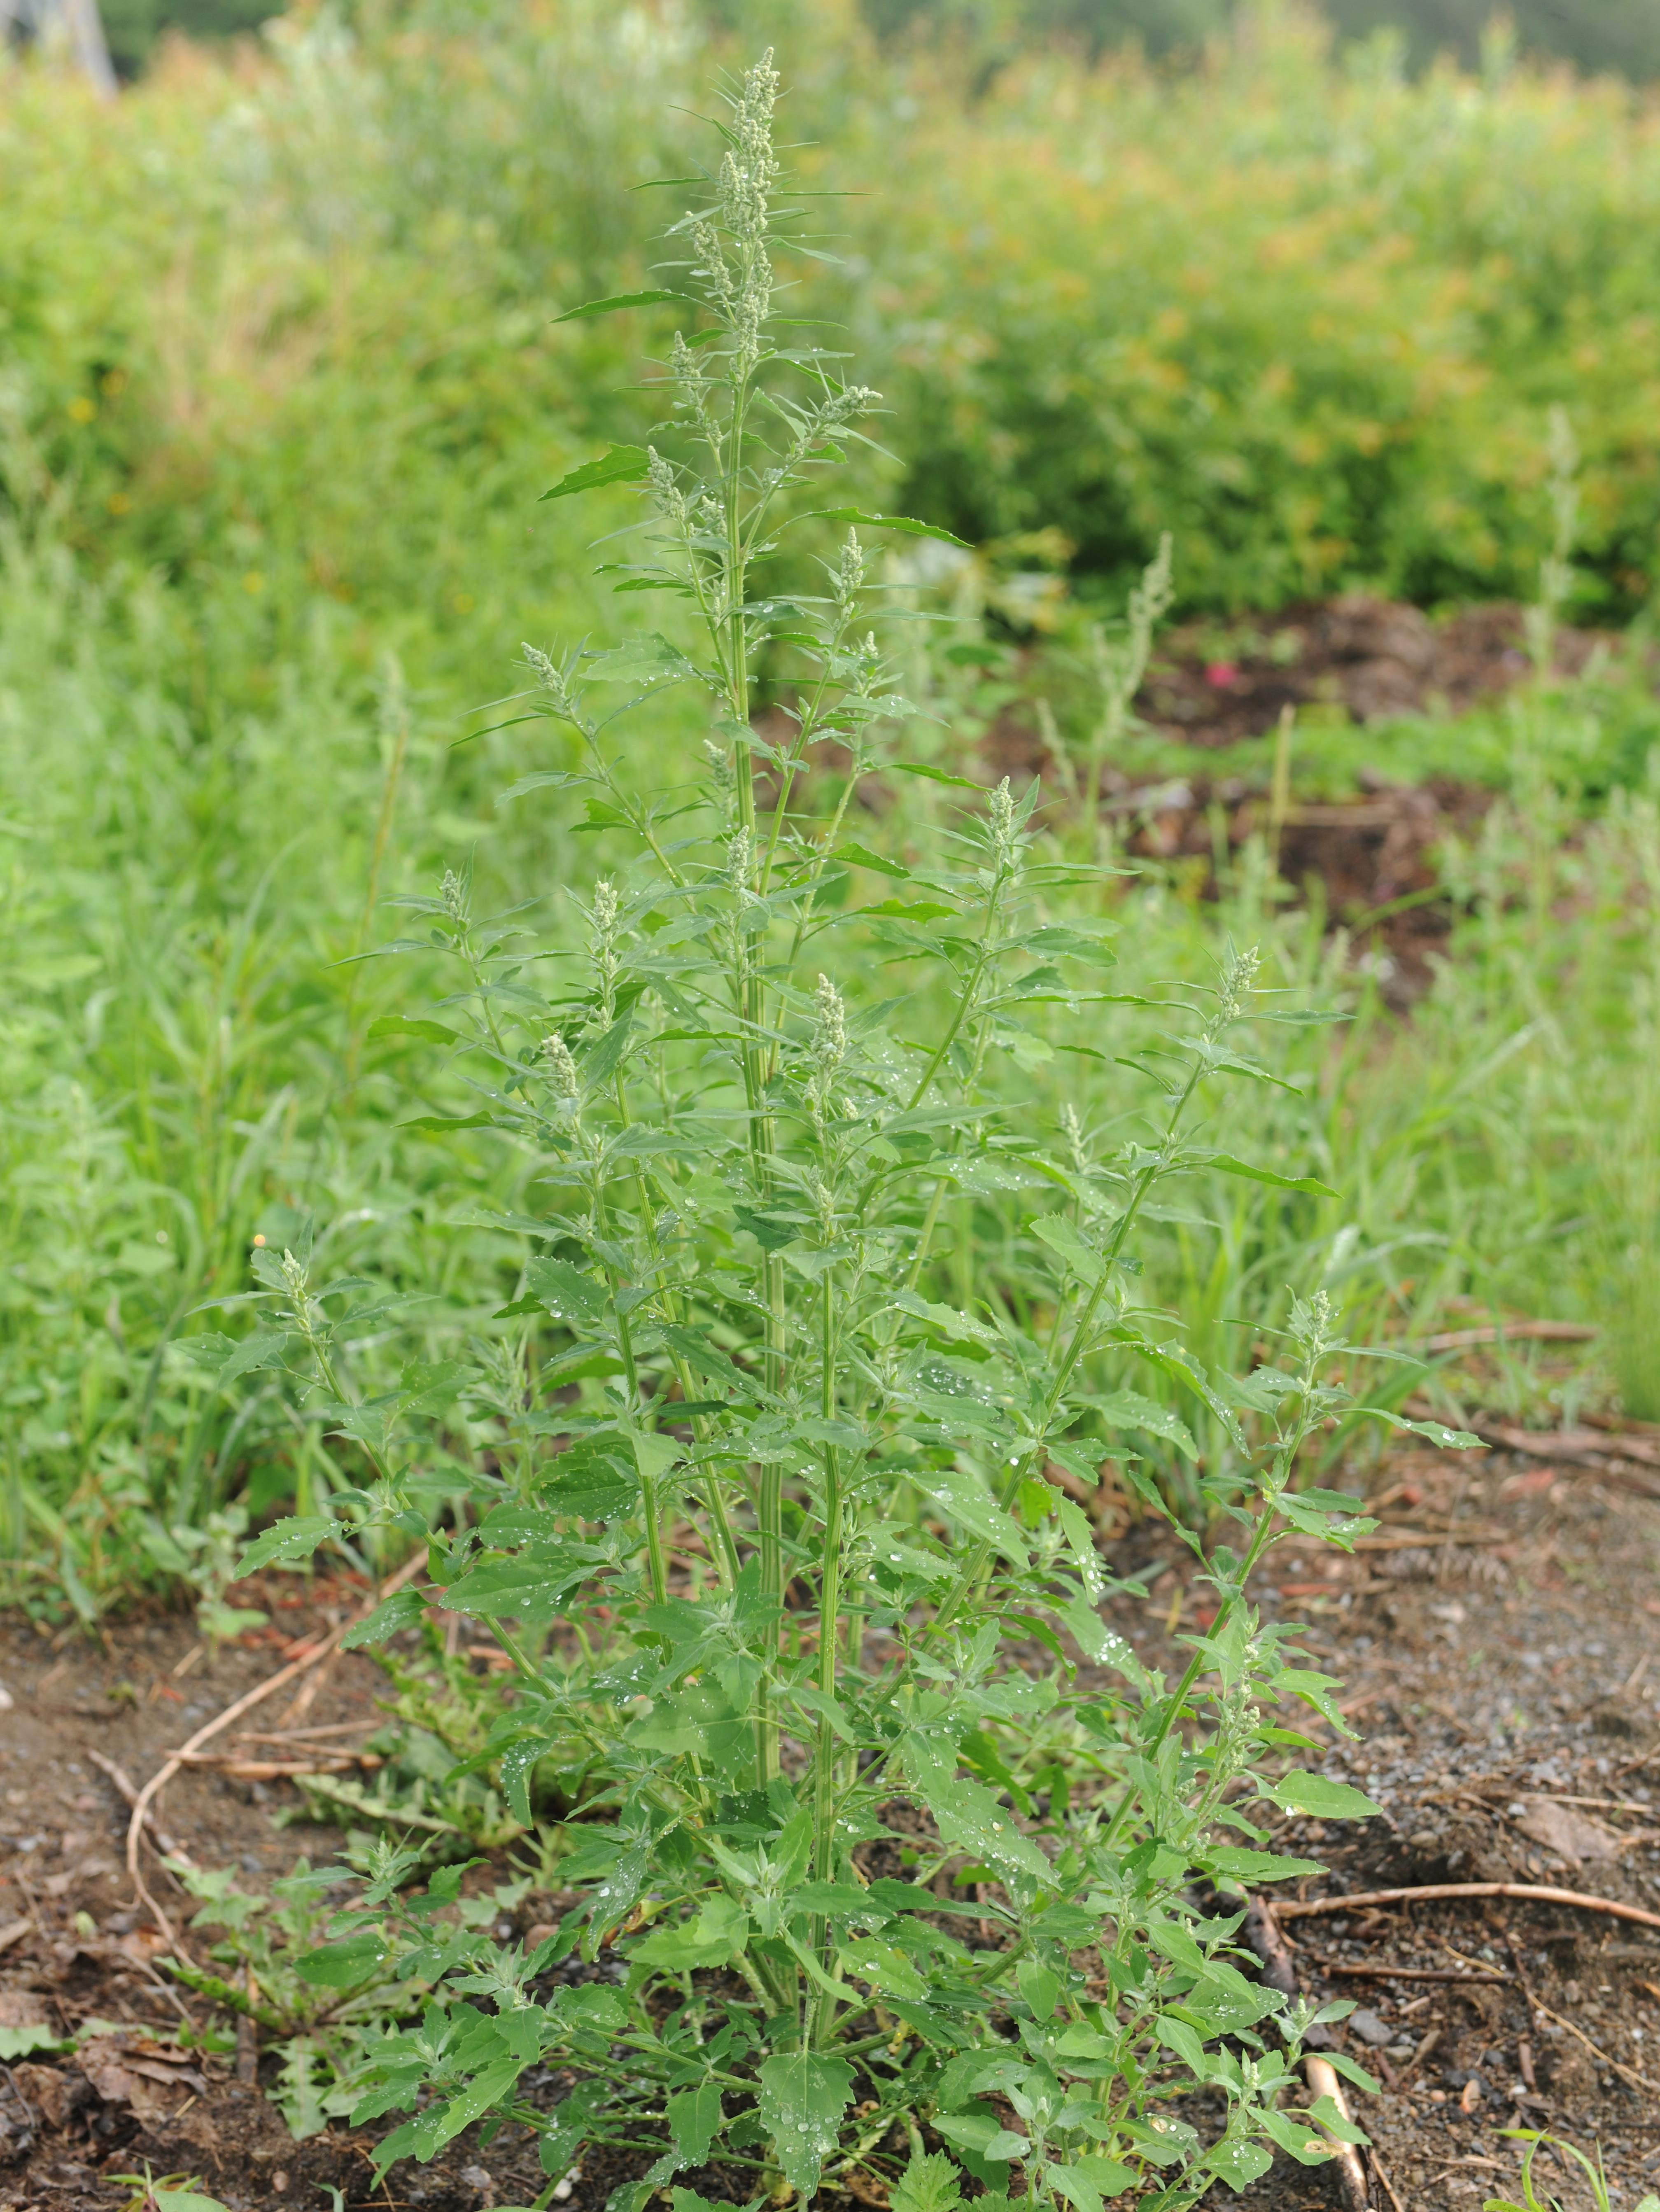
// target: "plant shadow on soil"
[[1496, 1639]]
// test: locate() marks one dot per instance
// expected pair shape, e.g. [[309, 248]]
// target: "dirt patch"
[[1497, 1644], [1372, 658], [1497, 1641]]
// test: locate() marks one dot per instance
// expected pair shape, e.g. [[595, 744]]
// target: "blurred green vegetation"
[[1621, 36], [1322, 356], [279, 389]]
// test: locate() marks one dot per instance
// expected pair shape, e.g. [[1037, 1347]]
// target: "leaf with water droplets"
[[803, 2097]]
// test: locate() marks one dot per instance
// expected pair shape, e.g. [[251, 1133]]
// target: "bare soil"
[[1497, 1640], [1368, 658], [1375, 659]]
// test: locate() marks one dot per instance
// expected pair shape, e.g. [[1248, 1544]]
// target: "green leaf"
[[604, 1055], [24, 2042], [442, 1124], [1238, 2163], [231, 1357], [1065, 1239], [803, 2095], [969, 1818], [1237, 1864], [1317, 1797], [592, 1480], [982, 2136], [715, 1935], [182, 2200], [401, 1026], [695, 2120], [622, 464], [406, 1608], [1128, 1409], [1437, 1432], [901, 522], [884, 1967], [612, 306], [342, 1965], [927, 2184], [1226, 1164], [295, 1538], [862, 857], [1336, 2122], [1296, 2134], [1040, 1987], [484, 2090], [933, 774], [1079, 2191], [568, 1294]]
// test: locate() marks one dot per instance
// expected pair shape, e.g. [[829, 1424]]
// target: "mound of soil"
[[1497, 1641], [1373, 658]]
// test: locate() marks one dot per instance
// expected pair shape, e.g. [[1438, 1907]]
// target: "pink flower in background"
[[1220, 675]]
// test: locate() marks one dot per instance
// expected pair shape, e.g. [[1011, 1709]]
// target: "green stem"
[[1195, 1664], [830, 1609]]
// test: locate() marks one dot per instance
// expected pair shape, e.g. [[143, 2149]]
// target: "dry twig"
[[127, 1791], [164, 1774], [1536, 1892], [1411, 1974]]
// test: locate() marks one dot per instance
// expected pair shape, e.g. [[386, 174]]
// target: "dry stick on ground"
[[1382, 2171], [127, 1790], [1537, 1893], [159, 1781], [1538, 1332], [1411, 1974], [1261, 1932]]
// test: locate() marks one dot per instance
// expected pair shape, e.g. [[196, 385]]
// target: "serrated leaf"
[[884, 1967], [803, 2095], [231, 1357], [907, 524], [622, 464], [406, 1608], [1066, 1241], [969, 1818], [614, 306], [295, 1538], [862, 857], [566, 1293], [929, 2183], [695, 2119], [1128, 1409]]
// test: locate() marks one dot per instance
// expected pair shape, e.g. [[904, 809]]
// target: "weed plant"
[[775, 1541]]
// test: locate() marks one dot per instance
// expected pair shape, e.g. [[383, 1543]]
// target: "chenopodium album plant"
[[774, 1537]]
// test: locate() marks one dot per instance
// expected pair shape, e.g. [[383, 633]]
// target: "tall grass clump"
[[776, 1540]]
